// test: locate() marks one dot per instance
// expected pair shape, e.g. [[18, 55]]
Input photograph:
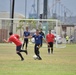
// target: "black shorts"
[[50, 44], [67, 40], [18, 48]]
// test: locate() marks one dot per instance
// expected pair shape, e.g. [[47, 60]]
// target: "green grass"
[[62, 62]]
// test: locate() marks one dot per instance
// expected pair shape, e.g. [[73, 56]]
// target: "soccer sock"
[[39, 56], [24, 51], [37, 53], [51, 50], [26, 46], [23, 45], [48, 50], [20, 55]]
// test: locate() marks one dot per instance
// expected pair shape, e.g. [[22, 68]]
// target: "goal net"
[[18, 26]]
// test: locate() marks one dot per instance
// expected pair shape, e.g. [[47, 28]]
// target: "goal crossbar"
[[29, 19]]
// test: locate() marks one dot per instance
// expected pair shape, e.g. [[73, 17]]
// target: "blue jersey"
[[37, 38], [26, 34]]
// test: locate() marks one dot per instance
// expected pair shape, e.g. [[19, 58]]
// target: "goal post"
[[33, 24], [60, 37]]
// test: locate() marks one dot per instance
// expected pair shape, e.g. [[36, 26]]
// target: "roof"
[[5, 14]]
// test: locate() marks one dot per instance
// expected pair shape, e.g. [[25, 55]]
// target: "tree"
[[20, 27]]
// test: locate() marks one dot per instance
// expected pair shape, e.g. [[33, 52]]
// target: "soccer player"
[[41, 33], [26, 34], [67, 38], [50, 39], [37, 46], [15, 39]]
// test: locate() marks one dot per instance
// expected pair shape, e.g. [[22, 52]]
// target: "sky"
[[68, 5]]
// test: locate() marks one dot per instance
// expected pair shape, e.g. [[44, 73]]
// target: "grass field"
[[62, 62]]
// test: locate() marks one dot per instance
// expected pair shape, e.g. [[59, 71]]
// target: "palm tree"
[[20, 27]]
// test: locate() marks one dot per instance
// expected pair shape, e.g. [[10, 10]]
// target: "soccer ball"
[[35, 57], [33, 40]]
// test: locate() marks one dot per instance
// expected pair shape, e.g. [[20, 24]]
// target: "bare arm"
[[5, 40], [30, 37], [45, 41]]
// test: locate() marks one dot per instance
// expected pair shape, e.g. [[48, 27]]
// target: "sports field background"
[[62, 62]]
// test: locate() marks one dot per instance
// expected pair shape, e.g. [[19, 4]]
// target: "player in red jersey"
[[50, 39], [15, 39]]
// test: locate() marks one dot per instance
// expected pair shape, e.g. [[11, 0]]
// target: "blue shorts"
[[18, 48]]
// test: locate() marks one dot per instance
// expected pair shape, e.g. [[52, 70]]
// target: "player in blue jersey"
[[37, 38], [26, 34]]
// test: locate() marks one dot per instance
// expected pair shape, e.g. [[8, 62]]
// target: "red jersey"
[[50, 37], [15, 39]]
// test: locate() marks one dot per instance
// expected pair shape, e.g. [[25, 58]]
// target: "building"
[[5, 24]]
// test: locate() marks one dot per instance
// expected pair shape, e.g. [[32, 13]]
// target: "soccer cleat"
[[39, 58], [22, 59]]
